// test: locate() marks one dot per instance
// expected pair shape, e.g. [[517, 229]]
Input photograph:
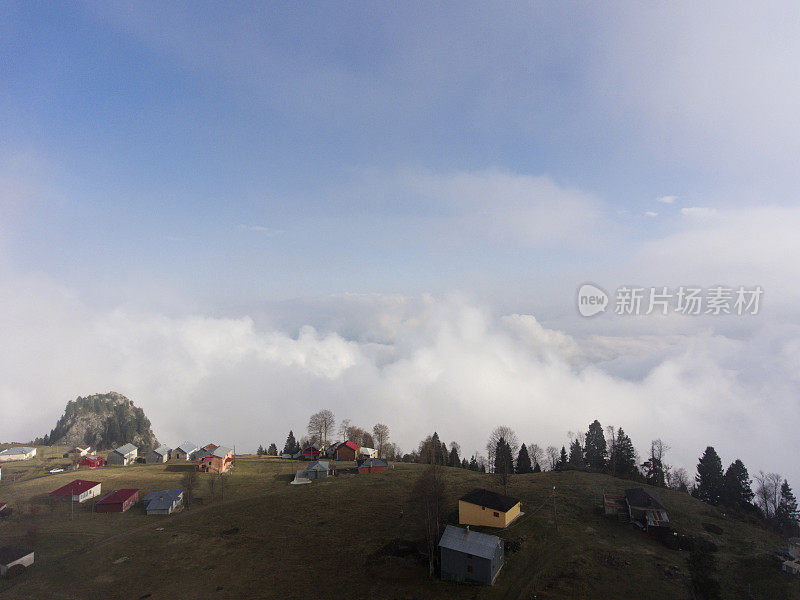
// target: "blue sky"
[[378, 171]]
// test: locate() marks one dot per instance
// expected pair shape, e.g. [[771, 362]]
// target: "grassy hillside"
[[267, 539]]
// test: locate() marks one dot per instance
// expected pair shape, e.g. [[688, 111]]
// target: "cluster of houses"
[[366, 461], [346, 450], [210, 458], [159, 502]]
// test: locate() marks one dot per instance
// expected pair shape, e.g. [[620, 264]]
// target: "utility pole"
[[555, 514]]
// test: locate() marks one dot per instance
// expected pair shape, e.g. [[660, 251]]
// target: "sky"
[[239, 215]]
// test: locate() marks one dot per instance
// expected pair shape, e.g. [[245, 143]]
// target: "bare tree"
[[552, 457], [501, 431], [678, 479], [380, 433], [321, 425], [189, 483], [611, 444], [344, 426], [430, 498], [768, 492], [537, 455]]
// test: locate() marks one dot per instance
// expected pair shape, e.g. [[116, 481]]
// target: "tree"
[[552, 457], [786, 514], [524, 461], [320, 425], [654, 467], [679, 480], [380, 434], [611, 438], [622, 459], [501, 431], [536, 453], [563, 460], [430, 450], [768, 495], [709, 477], [189, 483], [464, 463], [343, 429], [473, 464], [575, 455], [537, 468], [272, 450], [291, 446], [429, 496], [503, 459], [260, 450], [595, 450], [736, 490], [454, 460]]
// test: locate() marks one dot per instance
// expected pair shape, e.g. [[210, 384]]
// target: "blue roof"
[[318, 465], [469, 542], [162, 499], [18, 450], [373, 462]]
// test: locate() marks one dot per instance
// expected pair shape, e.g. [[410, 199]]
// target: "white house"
[[186, 451], [124, 455], [364, 452], [79, 490], [11, 556], [17, 453], [158, 455]]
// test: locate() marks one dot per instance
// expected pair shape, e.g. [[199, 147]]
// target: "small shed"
[[373, 465], [346, 451], [317, 469], [79, 490], [484, 507], [645, 508], [158, 455], [92, 462], [14, 556], [123, 456], [163, 502], [470, 556], [186, 451], [117, 501], [311, 453]]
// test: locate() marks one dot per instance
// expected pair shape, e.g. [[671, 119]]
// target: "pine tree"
[[272, 450], [736, 490], [454, 460], [473, 463], [709, 477], [595, 449], [464, 463], [260, 451], [575, 455], [563, 460], [291, 446], [524, 461], [624, 456], [503, 461], [787, 515], [537, 468]]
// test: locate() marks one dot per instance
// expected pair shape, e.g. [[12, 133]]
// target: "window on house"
[[496, 514], [483, 508]]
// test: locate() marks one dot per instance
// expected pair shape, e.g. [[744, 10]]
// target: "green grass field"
[[267, 539]]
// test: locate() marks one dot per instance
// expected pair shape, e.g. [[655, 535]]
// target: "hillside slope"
[[267, 539], [102, 421]]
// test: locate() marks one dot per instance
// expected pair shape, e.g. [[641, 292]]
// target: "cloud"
[[650, 213], [666, 199], [698, 212], [269, 232]]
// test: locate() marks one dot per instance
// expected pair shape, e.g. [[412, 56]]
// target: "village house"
[[218, 460], [311, 453], [645, 509], [186, 451], [163, 502], [487, 508], [79, 490], [364, 452], [373, 465], [346, 450], [117, 501], [17, 453], [792, 565], [124, 455], [14, 558], [317, 469], [470, 556], [92, 462], [158, 455]]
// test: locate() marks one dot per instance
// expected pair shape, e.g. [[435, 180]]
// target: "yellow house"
[[490, 509]]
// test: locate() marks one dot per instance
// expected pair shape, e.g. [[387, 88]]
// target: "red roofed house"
[[373, 465], [311, 453], [117, 501], [79, 490], [347, 451], [93, 461]]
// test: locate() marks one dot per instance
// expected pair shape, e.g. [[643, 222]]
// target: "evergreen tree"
[[503, 461], [623, 456], [444, 454], [260, 451], [563, 460], [473, 464], [291, 446], [537, 468], [595, 449], [524, 461], [464, 463], [709, 477], [454, 460], [786, 516], [575, 455], [272, 450], [736, 490]]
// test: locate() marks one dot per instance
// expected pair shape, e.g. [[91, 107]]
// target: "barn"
[[311, 453], [317, 469], [14, 558], [346, 451], [484, 507], [158, 455], [79, 490], [163, 502], [373, 465], [92, 462], [117, 501], [645, 509], [470, 556], [17, 453], [124, 455]]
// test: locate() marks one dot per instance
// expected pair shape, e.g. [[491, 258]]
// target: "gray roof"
[[162, 499], [162, 450], [9, 554], [188, 447], [469, 542], [17, 450], [642, 498], [373, 462], [318, 465], [221, 451], [126, 449]]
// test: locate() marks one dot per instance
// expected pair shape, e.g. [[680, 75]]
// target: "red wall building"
[[117, 501]]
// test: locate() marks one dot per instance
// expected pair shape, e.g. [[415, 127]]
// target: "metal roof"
[[318, 465], [188, 447], [373, 462], [126, 449], [642, 498], [162, 450], [162, 499], [17, 450], [469, 542], [117, 496], [9, 554], [75, 488], [490, 499]]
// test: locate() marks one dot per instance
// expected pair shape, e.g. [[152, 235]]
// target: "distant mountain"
[[102, 421]]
